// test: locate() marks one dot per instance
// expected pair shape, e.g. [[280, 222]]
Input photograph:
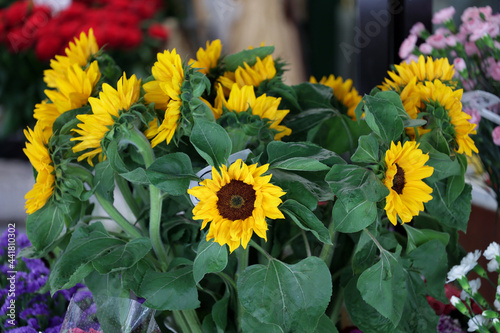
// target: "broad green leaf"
[[86, 244], [211, 141], [311, 182], [294, 297], [431, 261], [208, 325], [233, 61], [365, 253], [355, 217], [306, 120], [250, 324], [300, 164], [175, 290], [134, 276], [455, 184], [136, 176], [325, 325], [67, 120], [443, 165], [45, 225], [219, 313], [363, 315], [171, 173], [104, 180], [353, 184], [123, 256], [279, 151], [417, 237], [383, 287], [211, 258], [313, 96], [340, 134], [383, 117], [455, 215], [368, 150], [306, 220]]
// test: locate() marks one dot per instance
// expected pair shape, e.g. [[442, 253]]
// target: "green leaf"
[[45, 225], [67, 120], [300, 164], [171, 173], [86, 244], [443, 165], [211, 258], [313, 96], [417, 237], [175, 290], [340, 134], [353, 184], [306, 120], [219, 313], [365, 253], [325, 325], [104, 180], [383, 287], [455, 184], [363, 315], [133, 277], [250, 324], [211, 141], [306, 183], [294, 297], [455, 215], [279, 151], [233, 61], [430, 260], [368, 150], [123, 256], [354, 218], [383, 117], [306, 220], [136, 176]]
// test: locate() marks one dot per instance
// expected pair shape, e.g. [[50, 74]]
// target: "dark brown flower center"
[[236, 200], [399, 180]]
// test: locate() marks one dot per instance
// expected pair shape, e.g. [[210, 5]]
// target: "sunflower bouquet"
[[250, 204]]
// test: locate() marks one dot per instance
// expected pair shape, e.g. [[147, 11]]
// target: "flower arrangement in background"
[[248, 195], [474, 49], [36, 309], [33, 32]]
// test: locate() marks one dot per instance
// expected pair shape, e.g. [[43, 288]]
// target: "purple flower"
[[449, 325], [24, 329]]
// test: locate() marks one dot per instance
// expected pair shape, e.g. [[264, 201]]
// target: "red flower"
[[441, 308], [18, 41], [133, 37], [79, 330], [158, 31], [16, 13], [47, 47]]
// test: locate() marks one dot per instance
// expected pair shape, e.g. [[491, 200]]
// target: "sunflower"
[[439, 95], [405, 170], [105, 110], [73, 90], [266, 107], [38, 154], [344, 92], [78, 53], [423, 70], [249, 75], [207, 58], [165, 92], [237, 202]]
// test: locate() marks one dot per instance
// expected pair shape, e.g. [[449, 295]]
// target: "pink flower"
[[483, 29], [471, 48], [459, 64], [442, 31], [407, 46], [417, 29], [451, 41], [443, 15], [496, 135], [474, 114], [437, 41], [493, 68], [425, 48], [468, 84]]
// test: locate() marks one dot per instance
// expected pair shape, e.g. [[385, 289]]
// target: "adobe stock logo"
[[364, 35]]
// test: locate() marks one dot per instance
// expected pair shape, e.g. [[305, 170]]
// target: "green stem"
[[117, 216], [306, 243], [334, 317], [260, 249], [192, 321], [179, 320], [144, 148], [327, 251], [242, 265], [124, 188]]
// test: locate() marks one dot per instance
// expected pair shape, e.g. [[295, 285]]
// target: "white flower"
[[474, 286], [496, 303], [454, 300], [493, 265], [475, 322], [492, 251], [55, 5], [457, 272], [498, 290]]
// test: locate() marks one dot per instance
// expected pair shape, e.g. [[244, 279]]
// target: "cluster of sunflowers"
[[321, 175]]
